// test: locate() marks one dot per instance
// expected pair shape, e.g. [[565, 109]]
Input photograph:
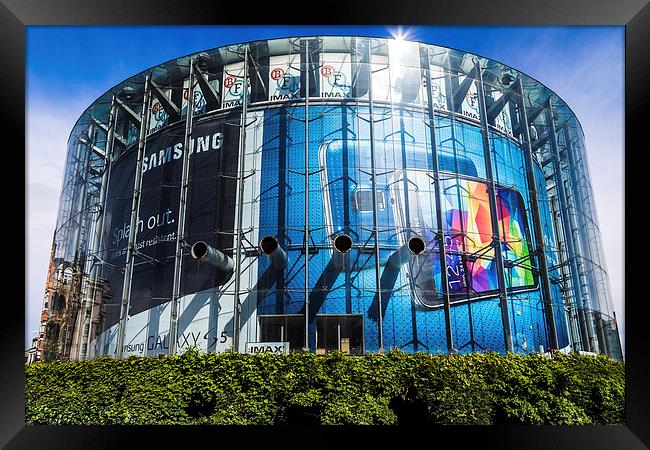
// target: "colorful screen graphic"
[[514, 239], [467, 224], [467, 231]]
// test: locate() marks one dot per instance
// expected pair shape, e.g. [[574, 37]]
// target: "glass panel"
[[283, 329], [344, 333]]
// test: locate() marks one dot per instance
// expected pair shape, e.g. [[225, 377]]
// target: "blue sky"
[[68, 67]]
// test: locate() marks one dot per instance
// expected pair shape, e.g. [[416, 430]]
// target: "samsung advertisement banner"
[[390, 241], [344, 305], [214, 148], [340, 204]]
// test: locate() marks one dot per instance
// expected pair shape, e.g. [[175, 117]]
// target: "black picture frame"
[[633, 14]]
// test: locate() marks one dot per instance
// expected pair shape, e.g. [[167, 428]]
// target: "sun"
[[401, 34]]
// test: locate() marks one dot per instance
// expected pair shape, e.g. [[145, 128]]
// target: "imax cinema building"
[[327, 193]]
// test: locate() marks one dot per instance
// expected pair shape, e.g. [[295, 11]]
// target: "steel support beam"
[[580, 338], [440, 234], [567, 226], [240, 205], [569, 302], [496, 238], [581, 228], [170, 108], [132, 115], [82, 199], [79, 291], [532, 115], [135, 214], [463, 88], [373, 184], [99, 227], [307, 231], [496, 107], [540, 248], [539, 142], [116, 137], [83, 171], [211, 97], [470, 320], [182, 209]]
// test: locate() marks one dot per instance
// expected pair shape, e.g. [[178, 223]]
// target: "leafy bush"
[[302, 388]]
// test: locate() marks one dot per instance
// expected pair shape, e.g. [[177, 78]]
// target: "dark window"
[[283, 329], [343, 333]]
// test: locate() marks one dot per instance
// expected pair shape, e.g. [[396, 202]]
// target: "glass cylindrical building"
[[327, 193]]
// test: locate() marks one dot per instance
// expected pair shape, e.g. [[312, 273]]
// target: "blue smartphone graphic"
[[346, 180], [347, 191]]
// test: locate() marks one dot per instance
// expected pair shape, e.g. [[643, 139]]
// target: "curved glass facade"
[[328, 193]]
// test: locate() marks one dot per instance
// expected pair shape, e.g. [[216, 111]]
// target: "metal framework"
[[240, 202], [540, 248], [182, 209], [93, 256], [307, 235], [375, 227], [143, 120], [439, 225], [496, 234], [556, 151], [585, 320]]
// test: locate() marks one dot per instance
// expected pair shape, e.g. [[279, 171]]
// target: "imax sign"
[[268, 347]]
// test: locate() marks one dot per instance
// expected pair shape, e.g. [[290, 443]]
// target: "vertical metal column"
[[83, 169], [182, 209], [584, 307], [133, 229], [440, 234], [574, 317], [373, 184], [82, 197], [451, 87], [602, 340], [496, 234], [78, 272], [540, 249], [565, 242], [240, 206], [99, 226], [307, 232]]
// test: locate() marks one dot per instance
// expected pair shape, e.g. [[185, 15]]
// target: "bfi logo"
[[233, 85], [334, 83], [283, 85]]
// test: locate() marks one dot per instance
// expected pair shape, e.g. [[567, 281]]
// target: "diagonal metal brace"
[[170, 108], [104, 128], [210, 95], [133, 117], [496, 107], [539, 142], [463, 88]]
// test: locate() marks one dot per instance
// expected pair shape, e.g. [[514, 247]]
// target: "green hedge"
[[393, 388]]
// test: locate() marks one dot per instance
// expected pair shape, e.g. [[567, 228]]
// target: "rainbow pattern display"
[[467, 226], [468, 237], [514, 240]]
